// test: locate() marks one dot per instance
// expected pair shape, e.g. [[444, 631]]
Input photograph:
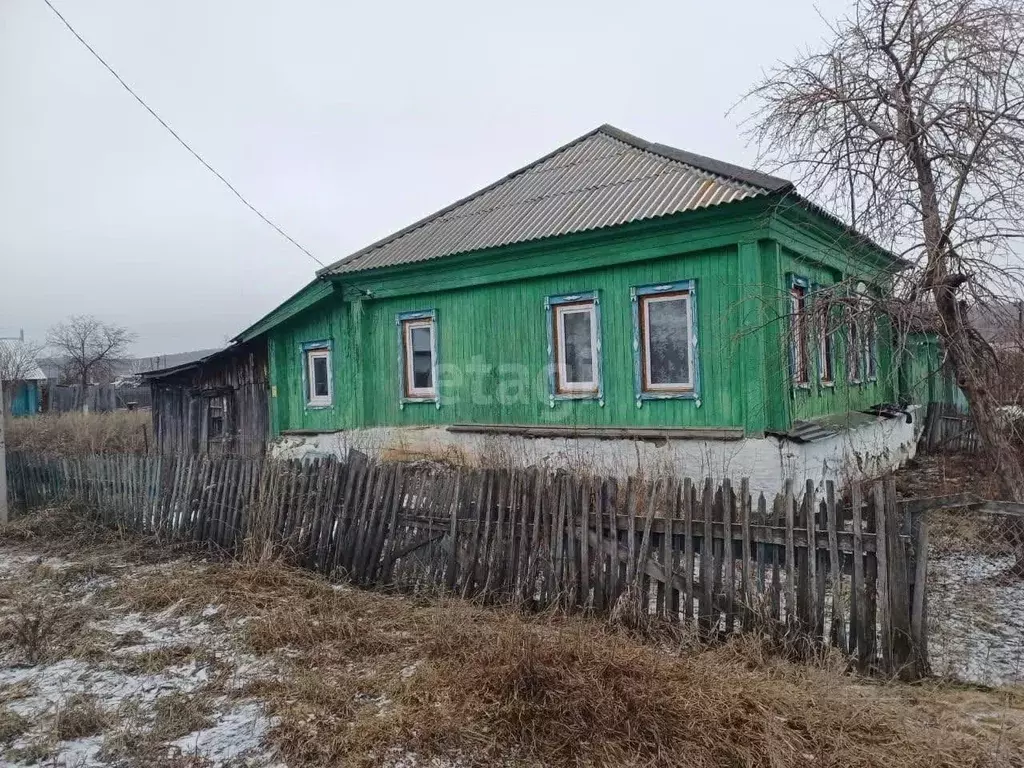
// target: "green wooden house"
[[614, 302]]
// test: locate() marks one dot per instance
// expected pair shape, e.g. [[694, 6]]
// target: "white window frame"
[[645, 334], [562, 385], [312, 399], [411, 391]]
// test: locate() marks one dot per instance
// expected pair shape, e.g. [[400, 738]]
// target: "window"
[[216, 408], [854, 353], [798, 356], [862, 353], [574, 346], [418, 343], [665, 340], [316, 374], [871, 349], [826, 345]]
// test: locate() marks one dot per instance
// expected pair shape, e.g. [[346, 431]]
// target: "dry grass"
[[12, 725], [177, 714], [80, 434], [80, 716], [367, 673], [359, 674]]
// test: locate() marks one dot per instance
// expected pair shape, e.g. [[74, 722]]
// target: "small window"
[[576, 349], [666, 340], [215, 418], [798, 332], [419, 352], [319, 390]]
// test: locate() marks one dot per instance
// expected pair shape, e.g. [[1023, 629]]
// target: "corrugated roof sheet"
[[604, 178]]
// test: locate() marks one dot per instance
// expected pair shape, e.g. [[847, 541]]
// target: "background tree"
[[89, 348], [910, 124], [18, 360]]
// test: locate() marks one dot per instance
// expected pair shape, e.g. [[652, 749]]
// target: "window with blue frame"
[[574, 346], [417, 339], [665, 340]]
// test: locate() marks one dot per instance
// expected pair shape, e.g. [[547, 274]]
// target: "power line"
[[180, 140]]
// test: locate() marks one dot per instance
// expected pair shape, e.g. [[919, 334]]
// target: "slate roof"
[[604, 178]]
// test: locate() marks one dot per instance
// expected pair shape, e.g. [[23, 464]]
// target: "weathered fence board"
[[817, 567]]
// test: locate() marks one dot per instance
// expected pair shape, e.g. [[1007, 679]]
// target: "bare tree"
[[910, 124], [19, 360], [90, 348]]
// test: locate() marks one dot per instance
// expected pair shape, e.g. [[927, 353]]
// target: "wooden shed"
[[217, 404]]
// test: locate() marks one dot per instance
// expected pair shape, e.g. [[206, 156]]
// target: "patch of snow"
[[80, 753], [237, 734], [976, 619]]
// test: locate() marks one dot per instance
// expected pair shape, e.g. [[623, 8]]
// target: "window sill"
[[802, 386], [577, 396], [318, 406], [827, 384], [687, 394], [413, 400]]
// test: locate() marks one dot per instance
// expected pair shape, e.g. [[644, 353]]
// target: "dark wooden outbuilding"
[[218, 404]]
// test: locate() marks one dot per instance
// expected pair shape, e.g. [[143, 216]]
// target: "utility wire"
[[181, 141]]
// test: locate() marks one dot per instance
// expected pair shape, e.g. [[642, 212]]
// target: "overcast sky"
[[341, 121]]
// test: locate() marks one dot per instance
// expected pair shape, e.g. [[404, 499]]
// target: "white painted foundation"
[[868, 450]]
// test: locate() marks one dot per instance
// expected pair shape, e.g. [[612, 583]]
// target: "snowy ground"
[[976, 619], [84, 682]]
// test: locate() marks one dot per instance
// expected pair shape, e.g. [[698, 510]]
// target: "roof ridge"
[[701, 162]]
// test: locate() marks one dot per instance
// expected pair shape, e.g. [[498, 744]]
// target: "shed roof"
[[604, 178]]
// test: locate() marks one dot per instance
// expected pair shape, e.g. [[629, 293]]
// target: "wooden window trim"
[[411, 392], [563, 387], [799, 353], [647, 386]]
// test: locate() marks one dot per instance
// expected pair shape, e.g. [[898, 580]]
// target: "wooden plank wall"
[[808, 567], [237, 380], [948, 429]]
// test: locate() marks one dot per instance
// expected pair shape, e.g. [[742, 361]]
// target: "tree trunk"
[[972, 362]]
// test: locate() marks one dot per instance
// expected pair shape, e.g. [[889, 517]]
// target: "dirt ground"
[[122, 652]]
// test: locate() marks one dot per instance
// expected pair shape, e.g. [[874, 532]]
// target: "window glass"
[[422, 357], [320, 387], [668, 340]]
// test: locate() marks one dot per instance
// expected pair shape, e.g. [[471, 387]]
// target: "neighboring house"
[[615, 303], [23, 395], [215, 404]]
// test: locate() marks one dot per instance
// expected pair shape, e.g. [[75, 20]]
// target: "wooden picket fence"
[[813, 569]]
